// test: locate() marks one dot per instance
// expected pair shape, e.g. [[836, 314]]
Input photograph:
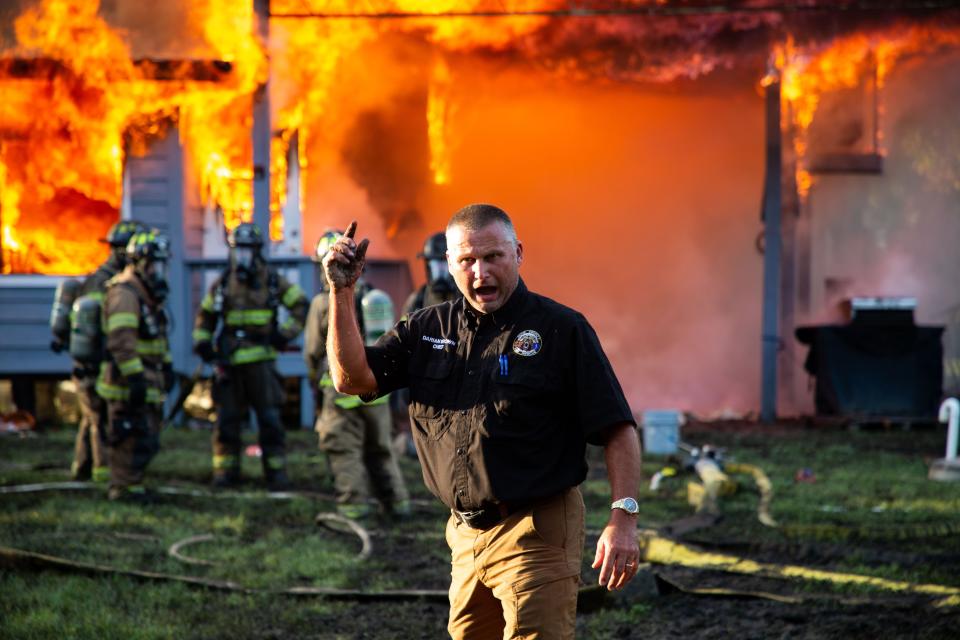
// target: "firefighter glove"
[[137, 383], [278, 341], [168, 377], [205, 351], [131, 424]]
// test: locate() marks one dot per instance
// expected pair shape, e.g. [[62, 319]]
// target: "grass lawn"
[[870, 511]]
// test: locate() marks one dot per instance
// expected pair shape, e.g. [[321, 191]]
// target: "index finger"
[[352, 229]]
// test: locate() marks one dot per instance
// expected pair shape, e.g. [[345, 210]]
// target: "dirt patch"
[[683, 616]]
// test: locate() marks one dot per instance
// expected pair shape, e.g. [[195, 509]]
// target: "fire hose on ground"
[[715, 483], [655, 548]]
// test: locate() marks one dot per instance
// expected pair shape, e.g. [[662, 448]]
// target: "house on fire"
[[632, 146], [155, 192]]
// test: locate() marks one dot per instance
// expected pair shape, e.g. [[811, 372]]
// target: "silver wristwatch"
[[627, 504]]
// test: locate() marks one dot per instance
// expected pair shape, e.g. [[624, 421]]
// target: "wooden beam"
[[156, 69]]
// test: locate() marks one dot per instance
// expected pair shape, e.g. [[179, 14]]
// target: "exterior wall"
[[896, 233], [25, 302]]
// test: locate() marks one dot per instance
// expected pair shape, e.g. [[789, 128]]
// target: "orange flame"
[[215, 120], [807, 75], [97, 106], [438, 111], [61, 172]]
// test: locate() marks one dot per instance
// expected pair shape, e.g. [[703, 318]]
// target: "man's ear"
[[519, 252]]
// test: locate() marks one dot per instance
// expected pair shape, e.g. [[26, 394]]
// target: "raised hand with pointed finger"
[[343, 263]]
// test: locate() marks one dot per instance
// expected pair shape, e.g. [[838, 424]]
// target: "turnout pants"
[[90, 447], [358, 446], [519, 578], [134, 441], [255, 385]]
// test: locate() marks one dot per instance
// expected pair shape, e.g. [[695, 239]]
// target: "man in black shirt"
[[506, 389]]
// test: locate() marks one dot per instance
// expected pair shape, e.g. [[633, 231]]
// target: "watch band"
[[628, 504]]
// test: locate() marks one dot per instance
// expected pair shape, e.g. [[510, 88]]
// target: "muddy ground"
[[658, 605], [868, 510]]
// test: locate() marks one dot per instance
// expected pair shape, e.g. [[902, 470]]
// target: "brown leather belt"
[[492, 514]]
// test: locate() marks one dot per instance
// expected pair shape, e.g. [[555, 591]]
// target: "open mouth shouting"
[[486, 293]]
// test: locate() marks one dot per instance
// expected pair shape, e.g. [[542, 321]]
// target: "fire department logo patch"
[[527, 343]]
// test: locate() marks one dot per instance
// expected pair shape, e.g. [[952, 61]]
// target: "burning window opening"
[[78, 105], [808, 74]]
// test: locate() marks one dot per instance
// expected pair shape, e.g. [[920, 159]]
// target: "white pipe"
[[950, 412]]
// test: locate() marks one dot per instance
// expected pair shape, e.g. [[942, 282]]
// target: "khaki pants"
[[518, 579], [90, 446], [357, 443]]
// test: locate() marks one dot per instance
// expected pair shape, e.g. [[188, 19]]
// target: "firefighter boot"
[[101, 475], [225, 478], [226, 471], [354, 510], [278, 481], [275, 473], [79, 473], [134, 494]]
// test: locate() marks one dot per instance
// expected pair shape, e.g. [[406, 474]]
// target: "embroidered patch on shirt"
[[527, 343], [439, 343]]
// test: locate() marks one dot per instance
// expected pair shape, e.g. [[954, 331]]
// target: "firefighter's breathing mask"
[[119, 256], [154, 273], [437, 271], [244, 259]]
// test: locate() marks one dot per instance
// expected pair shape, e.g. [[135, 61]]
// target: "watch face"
[[631, 505]]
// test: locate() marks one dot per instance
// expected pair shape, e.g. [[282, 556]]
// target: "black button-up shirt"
[[504, 403]]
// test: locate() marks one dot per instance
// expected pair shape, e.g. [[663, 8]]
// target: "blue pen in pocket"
[[504, 366]]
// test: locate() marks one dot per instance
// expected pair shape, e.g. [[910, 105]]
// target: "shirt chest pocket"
[[525, 393], [431, 390]]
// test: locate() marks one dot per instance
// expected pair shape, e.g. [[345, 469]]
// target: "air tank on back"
[[86, 337], [63, 299], [377, 314]]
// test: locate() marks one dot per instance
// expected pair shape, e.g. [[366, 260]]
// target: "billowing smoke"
[[894, 233], [385, 152]]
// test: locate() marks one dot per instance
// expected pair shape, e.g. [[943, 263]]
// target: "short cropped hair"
[[474, 217]]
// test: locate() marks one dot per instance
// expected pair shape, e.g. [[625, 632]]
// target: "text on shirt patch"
[[527, 343], [438, 343]]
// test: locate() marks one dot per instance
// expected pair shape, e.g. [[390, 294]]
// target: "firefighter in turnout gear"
[[439, 286], [138, 373], [90, 447], [244, 303], [354, 435]]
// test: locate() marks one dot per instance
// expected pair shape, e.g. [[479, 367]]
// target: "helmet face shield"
[[154, 272], [437, 270], [149, 252], [243, 258], [119, 255], [157, 270]]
